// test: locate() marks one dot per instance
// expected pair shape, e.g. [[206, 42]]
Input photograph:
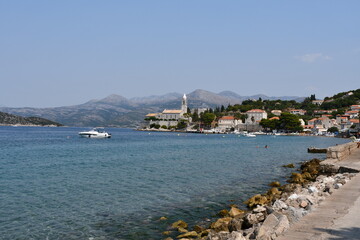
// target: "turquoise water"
[[55, 185]]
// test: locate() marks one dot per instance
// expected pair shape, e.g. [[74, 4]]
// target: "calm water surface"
[[55, 185]]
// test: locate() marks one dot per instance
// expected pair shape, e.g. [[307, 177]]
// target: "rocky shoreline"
[[272, 213]]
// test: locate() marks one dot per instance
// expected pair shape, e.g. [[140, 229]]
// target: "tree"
[[290, 122], [154, 125], [207, 118], [252, 119], [150, 119], [195, 116], [333, 130], [181, 124], [269, 124]]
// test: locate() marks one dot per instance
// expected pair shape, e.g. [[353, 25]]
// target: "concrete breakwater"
[[340, 152], [273, 213]]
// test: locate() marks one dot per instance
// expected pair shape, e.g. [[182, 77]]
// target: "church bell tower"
[[184, 104]]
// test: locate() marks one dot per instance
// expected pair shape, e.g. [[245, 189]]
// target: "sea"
[[56, 185]]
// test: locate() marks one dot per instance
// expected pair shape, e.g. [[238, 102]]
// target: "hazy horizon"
[[69, 52]]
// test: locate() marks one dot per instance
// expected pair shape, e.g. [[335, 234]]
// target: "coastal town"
[[338, 115]]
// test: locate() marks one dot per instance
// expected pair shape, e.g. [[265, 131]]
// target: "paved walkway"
[[337, 217]]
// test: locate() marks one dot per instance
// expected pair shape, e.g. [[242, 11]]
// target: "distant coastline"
[[7, 119]]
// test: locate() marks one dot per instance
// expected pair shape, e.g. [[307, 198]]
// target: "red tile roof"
[[256, 110], [273, 118], [227, 118]]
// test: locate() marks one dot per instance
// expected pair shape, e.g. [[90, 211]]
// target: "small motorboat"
[[249, 135], [95, 133]]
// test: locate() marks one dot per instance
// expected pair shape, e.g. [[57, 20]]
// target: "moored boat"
[[249, 135], [95, 133]]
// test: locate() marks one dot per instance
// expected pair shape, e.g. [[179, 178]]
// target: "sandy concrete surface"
[[338, 216]]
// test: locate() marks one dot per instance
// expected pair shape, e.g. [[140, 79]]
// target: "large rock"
[[235, 212], [236, 236], [198, 228], [295, 214], [222, 224], [273, 226], [253, 218], [226, 236], [275, 184], [236, 224], [179, 224], [223, 213], [256, 200], [279, 205], [296, 178], [191, 234], [259, 209]]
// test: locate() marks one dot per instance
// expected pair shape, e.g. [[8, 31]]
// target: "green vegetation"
[[10, 119], [154, 125], [182, 124], [333, 129], [207, 118], [287, 121], [342, 100]]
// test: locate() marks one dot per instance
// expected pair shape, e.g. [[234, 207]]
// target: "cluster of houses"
[[344, 122], [318, 125]]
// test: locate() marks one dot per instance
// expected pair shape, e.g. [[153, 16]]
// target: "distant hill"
[[10, 119], [118, 111], [256, 97]]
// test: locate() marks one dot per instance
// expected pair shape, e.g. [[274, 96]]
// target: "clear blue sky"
[[58, 53]]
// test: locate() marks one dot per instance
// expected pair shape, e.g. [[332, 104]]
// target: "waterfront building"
[[254, 116], [228, 122], [321, 125]]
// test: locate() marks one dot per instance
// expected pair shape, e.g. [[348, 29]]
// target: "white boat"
[[249, 135], [95, 133]]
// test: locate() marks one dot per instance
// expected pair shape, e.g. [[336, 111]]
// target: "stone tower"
[[184, 104]]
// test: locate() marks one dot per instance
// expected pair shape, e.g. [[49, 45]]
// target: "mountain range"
[[118, 111]]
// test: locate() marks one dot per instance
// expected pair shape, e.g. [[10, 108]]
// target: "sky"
[[60, 53]]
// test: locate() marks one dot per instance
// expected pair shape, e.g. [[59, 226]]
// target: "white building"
[[228, 122], [355, 107], [254, 116], [169, 117], [317, 102], [321, 125], [297, 111], [276, 112], [353, 113]]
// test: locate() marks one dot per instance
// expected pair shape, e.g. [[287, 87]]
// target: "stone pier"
[[338, 216]]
